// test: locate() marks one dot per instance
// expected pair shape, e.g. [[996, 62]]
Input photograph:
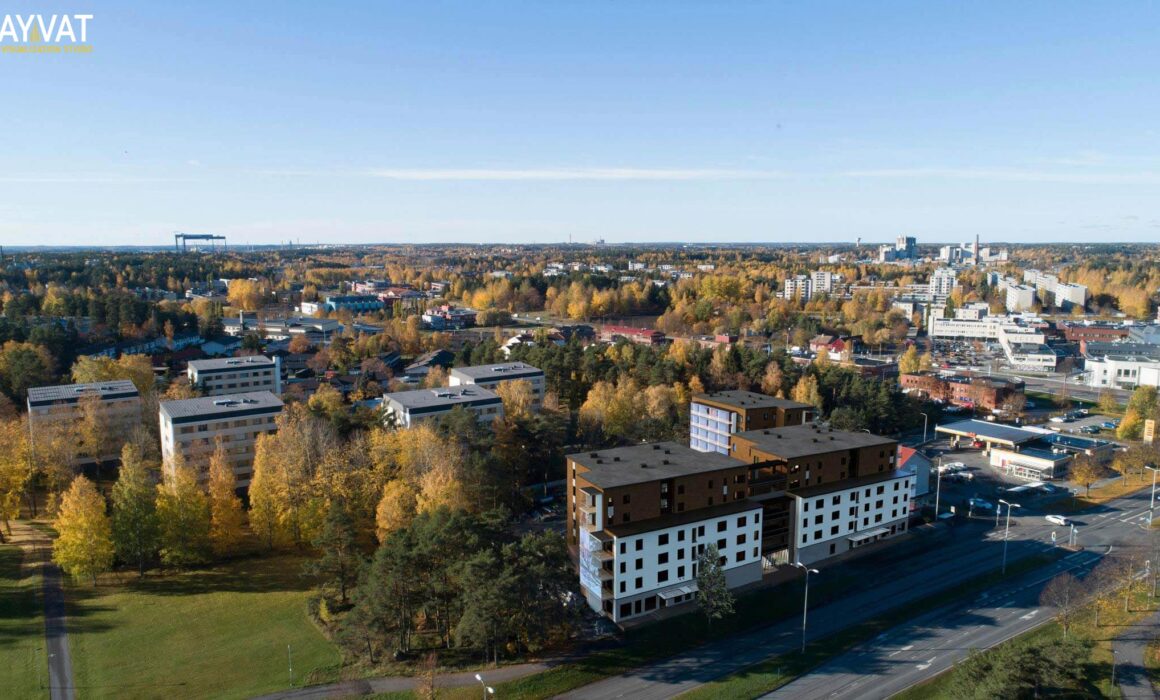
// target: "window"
[[639, 583], [662, 576], [820, 503], [681, 553], [817, 534], [663, 558], [818, 519], [639, 545], [834, 530], [710, 483], [623, 584], [878, 518], [805, 522], [663, 539], [701, 531], [881, 490], [741, 538], [680, 535], [741, 521], [624, 567], [623, 547], [680, 572], [836, 500], [804, 538], [739, 557], [721, 526], [680, 489], [720, 545], [639, 564], [627, 499]]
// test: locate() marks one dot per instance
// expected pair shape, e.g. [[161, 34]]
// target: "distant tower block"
[[181, 241]]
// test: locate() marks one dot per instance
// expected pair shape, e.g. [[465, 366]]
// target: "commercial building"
[[641, 516], [491, 376], [1094, 332], [192, 427], [355, 303], [116, 404], [405, 408], [316, 330], [232, 375], [980, 393], [1030, 453], [715, 416], [1121, 365]]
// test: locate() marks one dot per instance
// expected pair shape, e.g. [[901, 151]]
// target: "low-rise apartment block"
[[405, 408], [233, 375], [715, 416], [192, 427], [117, 403], [491, 376]]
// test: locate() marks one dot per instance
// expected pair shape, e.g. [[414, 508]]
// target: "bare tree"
[[1065, 593]]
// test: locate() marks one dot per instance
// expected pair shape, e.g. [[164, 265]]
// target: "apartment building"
[[715, 416], [405, 408], [117, 403], [798, 287], [1068, 296], [640, 516], [823, 281], [1020, 297], [491, 376], [192, 428], [942, 282], [793, 467], [232, 375]]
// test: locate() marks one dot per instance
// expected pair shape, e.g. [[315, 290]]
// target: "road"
[[974, 551], [1130, 647], [1052, 386], [38, 553]]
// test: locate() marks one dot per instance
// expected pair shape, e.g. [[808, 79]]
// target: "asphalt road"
[[974, 550], [60, 682]]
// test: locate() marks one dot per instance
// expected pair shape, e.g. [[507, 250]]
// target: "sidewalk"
[[37, 548], [1130, 647]]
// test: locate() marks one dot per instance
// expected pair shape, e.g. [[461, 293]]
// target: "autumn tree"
[[184, 512], [806, 391], [396, 508], [518, 397], [226, 516], [16, 470], [84, 545], [1085, 471], [136, 528], [910, 362], [265, 492], [91, 369], [1066, 595]]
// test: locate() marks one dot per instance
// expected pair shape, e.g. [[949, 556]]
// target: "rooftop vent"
[[592, 454], [644, 465], [656, 447], [664, 461]]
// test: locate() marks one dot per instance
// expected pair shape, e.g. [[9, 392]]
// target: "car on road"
[[1090, 429], [1057, 520], [1059, 419], [981, 504]]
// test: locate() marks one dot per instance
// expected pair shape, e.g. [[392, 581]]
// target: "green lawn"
[[21, 628], [218, 633]]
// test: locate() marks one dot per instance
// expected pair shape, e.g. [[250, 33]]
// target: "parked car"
[[981, 504], [1059, 419], [1090, 429], [1057, 520], [1108, 425]]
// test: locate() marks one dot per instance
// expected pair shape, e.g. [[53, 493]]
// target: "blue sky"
[[628, 121]]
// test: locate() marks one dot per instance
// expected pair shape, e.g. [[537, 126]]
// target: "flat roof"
[[737, 398], [244, 404], [71, 393], [621, 466], [843, 485], [992, 432], [795, 441], [418, 401], [506, 370], [226, 364], [683, 518]]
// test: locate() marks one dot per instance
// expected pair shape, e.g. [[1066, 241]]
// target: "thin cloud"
[[544, 174], [95, 179], [1011, 175]]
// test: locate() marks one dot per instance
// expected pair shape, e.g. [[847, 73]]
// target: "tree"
[[24, 365], [1065, 593], [93, 429], [90, 369], [185, 517], [518, 397], [806, 391], [773, 380], [245, 294], [225, 508], [136, 528], [1085, 471], [340, 563], [396, 508], [264, 492], [84, 546], [712, 591], [909, 363], [15, 469], [1108, 405]]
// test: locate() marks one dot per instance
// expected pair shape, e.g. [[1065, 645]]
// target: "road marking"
[[923, 667], [1030, 615]]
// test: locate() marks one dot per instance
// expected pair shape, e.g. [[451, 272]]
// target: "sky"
[[628, 121]]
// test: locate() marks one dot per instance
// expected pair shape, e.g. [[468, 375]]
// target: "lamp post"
[[805, 599], [1152, 504], [487, 690], [937, 487], [1007, 530], [1114, 655], [924, 423]]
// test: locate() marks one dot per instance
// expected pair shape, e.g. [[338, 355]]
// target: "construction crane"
[[181, 241]]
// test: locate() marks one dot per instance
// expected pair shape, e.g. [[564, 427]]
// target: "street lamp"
[[805, 599], [1114, 655], [1152, 504], [924, 421], [487, 690], [1006, 529], [937, 487]]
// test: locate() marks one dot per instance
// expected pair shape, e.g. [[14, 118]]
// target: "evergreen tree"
[[136, 529], [340, 563], [712, 591], [84, 546]]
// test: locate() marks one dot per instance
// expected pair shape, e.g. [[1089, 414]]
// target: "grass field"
[[21, 628], [218, 633]]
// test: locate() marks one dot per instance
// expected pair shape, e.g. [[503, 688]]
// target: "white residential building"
[[491, 376], [117, 403], [834, 518], [798, 287], [232, 375], [405, 408], [192, 427], [1068, 296], [1020, 297], [942, 282], [822, 282]]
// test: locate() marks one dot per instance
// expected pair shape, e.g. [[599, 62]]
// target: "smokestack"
[[977, 250]]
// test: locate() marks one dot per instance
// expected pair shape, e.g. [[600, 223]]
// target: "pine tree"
[[225, 507], [340, 563], [185, 517], [136, 529], [84, 546], [712, 591]]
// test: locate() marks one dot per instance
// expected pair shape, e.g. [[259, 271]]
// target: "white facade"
[[1069, 295], [798, 286], [193, 427], [822, 282], [942, 282], [235, 375], [1020, 297], [491, 376], [1122, 371], [830, 523], [710, 428]]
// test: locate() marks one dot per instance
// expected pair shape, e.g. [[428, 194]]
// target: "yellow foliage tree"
[[396, 508], [84, 546], [226, 517]]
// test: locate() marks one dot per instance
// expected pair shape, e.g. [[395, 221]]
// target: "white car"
[[1058, 419], [1057, 520]]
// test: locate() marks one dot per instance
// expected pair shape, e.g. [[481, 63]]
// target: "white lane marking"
[[924, 666], [1030, 615]]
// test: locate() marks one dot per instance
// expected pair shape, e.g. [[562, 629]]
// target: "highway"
[[974, 550]]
